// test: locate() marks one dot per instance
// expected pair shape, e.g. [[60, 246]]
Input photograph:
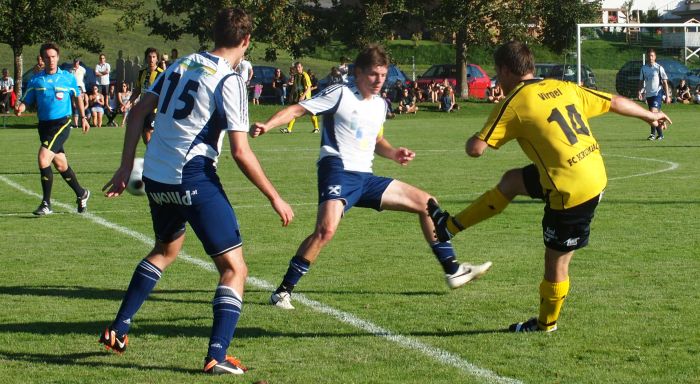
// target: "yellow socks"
[[314, 121], [487, 205], [552, 297], [290, 126]]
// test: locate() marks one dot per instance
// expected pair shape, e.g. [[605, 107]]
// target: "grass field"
[[375, 308]]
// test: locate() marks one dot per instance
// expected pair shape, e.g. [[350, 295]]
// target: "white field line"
[[671, 166], [440, 355]]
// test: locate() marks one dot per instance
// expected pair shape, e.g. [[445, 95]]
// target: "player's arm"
[[400, 155], [475, 147], [132, 135], [626, 107], [282, 117], [84, 124], [250, 166]]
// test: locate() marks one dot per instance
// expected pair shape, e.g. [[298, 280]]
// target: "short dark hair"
[[650, 51], [46, 46], [516, 56], [370, 57], [148, 51], [232, 25]]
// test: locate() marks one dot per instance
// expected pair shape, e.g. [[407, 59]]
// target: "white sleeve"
[[324, 102], [234, 103], [662, 73]]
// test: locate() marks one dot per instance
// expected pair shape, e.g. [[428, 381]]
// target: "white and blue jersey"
[[652, 75], [200, 97], [52, 94], [351, 125]]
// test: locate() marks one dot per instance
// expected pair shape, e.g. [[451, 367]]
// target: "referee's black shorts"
[[54, 133]]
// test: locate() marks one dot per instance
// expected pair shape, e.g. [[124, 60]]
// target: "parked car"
[[263, 74], [393, 74], [568, 72], [627, 78], [543, 69], [479, 82]]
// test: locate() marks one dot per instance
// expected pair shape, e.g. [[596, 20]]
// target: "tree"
[[559, 18], [285, 24], [482, 23], [29, 22]]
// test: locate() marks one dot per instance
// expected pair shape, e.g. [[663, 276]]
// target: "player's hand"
[[284, 210], [663, 120], [258, 129], [117, 184], [85, 125], [403, 155]]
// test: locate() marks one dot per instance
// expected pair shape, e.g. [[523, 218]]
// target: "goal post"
[[604, 50]]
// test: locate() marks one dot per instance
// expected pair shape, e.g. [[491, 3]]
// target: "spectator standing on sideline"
[[654, 82], [279, 83], [102, 71], [174, 54], [52, 91], [215, 103], [79, 72], [147, 76], [554, 134], [301, 88], [245, 69], [343, 68], [353, 128], [696, 97], [7, 85]]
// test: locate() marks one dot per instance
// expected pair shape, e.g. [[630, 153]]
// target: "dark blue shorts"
[[203, 204], [362, 189], [655, 101]]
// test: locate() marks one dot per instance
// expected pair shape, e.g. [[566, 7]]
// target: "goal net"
[[609, 57]]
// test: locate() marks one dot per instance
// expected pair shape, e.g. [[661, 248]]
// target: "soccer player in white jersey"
[[653, 81], [351, 133], [199, 98]]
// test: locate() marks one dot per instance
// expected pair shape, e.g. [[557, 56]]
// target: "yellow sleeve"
[[499, 128], [593, 102]]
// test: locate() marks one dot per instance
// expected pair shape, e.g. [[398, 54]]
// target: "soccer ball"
[[135, 184]]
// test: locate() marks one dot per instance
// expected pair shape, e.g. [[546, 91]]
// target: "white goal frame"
[[692, 45]]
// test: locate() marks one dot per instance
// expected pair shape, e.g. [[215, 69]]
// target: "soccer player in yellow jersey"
[[147, 77], [549, 119], [302, 91]]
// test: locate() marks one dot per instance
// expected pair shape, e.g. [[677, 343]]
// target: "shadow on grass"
[[76, 359], [92, 293]]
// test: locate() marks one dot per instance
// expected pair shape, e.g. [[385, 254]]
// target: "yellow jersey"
[[549, 118], [147, 78]]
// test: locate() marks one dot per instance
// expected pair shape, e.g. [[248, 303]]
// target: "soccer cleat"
[[282, 300], [439, 218], [467, 273], [315, 130], [43, 209], [230, 366], [529, 326], [651, 137], [659, 138], [82, 201], [111, 341], [284, 130]]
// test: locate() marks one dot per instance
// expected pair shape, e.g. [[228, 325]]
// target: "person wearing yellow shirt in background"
[[301, 89], [549, 119]]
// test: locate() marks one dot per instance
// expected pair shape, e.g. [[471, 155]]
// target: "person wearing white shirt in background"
[[245, 69], [102, 70], [6, 86]]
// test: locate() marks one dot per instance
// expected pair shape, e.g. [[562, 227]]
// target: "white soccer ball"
[[135, 184]]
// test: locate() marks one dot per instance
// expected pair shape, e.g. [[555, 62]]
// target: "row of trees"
[[300, 26]]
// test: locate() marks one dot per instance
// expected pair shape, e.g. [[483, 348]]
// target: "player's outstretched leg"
[[282, 297], [440, 219]]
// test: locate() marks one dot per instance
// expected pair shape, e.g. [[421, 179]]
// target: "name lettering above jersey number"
[[187, 96], [577, 125]]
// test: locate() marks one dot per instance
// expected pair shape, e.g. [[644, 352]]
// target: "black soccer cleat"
[[531, 325], [43, 209], [439, 218], [111, 341], [81, 202]]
